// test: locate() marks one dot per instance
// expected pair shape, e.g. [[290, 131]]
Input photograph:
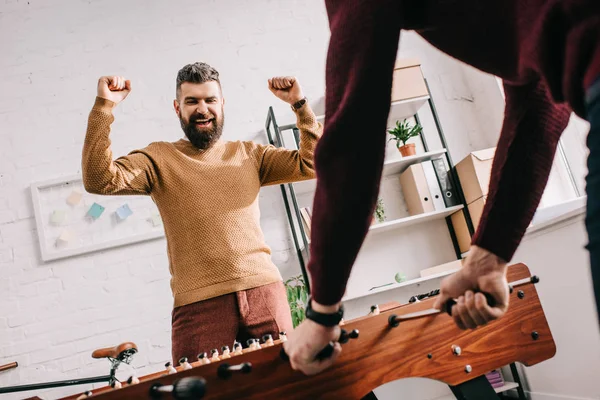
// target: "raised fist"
[[113, 88]]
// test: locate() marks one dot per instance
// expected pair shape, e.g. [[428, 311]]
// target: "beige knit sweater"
[[208, 200]]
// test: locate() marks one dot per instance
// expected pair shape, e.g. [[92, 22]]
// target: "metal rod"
[[423, 140], [418, 314], [280, 143], [568, 167], [453, 176], [54, 384], [6, 367], [516, 377], [453, 237]]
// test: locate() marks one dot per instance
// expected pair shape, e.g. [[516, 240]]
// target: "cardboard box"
[[474, 173], [416, 190], [459, 223], [408, 81], [476, 209], [461, 230], [442, 268]]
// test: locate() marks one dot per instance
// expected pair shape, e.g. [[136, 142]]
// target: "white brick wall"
[[52, 315]]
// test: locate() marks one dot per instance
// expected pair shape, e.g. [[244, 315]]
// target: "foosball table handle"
[[328, 350], [451, 302]]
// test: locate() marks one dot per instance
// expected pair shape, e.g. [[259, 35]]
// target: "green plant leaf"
[[290, 294]]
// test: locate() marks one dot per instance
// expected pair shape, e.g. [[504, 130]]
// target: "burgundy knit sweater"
[[547, 53]]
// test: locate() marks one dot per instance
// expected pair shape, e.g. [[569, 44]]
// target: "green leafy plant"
[[403, 131], [380, 211], [297, 296]]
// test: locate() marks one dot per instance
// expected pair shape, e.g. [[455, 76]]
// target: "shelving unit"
[[408, 221], [451, 190], [390, 167], [399, 110], [398, 285]]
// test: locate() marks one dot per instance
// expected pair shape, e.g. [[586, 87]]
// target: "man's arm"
[[279, 165], [532, 128], [348, 159], [131, 174]]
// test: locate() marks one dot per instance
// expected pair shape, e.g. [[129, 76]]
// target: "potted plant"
[[401, 133], [379, 211], [297, 298]]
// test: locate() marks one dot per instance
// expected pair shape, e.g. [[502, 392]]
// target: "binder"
[[416, 190], [446, 183]]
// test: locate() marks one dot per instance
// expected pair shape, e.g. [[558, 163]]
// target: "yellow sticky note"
[[74, 198], [64, 238], [58, 217]]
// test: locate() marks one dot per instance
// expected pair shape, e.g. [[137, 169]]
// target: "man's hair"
[[197, 72]]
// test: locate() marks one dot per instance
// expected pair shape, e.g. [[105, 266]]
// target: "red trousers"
[[213, 323]]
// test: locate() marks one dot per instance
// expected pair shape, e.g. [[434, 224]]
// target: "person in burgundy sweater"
[[548, 54]]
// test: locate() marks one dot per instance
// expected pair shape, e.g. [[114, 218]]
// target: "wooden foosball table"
[[377, 348]]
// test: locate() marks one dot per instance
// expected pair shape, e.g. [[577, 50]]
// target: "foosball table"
[[396, 342]]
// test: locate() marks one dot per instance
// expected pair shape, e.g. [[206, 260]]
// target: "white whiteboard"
[[65, 227]]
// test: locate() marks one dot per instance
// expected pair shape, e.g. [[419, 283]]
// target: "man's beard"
[[203, 138]]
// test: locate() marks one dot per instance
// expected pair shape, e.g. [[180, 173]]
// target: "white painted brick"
[[33, 373], [96, 342], [29, 290], [3, 203], [20, 320], [23, 347], [49, 286], [7, 216], [76, 332], [27, 252], [6, 254], [71, 363], [52, 353], [34, 275], [12, 335], [19, 232]]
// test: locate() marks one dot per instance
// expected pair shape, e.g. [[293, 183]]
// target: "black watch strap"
[[299, 103], [324, 319]]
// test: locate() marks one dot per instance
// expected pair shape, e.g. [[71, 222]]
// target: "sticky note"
[[156, 220], [74, 198], [64, 238], [95, 211], [123, 212], [58, 217]]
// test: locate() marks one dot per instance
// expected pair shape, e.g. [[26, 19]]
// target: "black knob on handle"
[[183, 389], [327, 350], [451, 302]]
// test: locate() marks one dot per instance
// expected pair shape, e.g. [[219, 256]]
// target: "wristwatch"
[[324, 319], [299, 103]]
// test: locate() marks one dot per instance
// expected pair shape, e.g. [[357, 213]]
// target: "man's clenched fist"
[[113, 88], [287, 88]]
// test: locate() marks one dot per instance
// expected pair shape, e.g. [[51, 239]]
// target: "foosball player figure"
[[225, 352], [203, 358], [237, 348], [268, 340]]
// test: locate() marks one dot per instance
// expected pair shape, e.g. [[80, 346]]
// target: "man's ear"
[[223, 99], [176, 106]]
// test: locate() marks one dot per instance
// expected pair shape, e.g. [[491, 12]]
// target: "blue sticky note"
[[95, 211], [123, 212]]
